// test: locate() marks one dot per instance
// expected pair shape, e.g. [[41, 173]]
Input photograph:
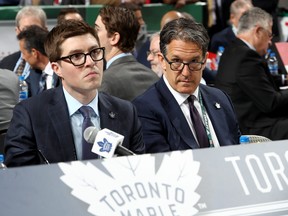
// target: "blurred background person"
[[169, 16], [124, 76], [142, 41], [152, 54], [31, 43], [224, 37], [68, 13], [243, 73], [27, 16]]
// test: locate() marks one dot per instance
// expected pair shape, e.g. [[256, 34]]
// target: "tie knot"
[[191, 99], [86, 111]]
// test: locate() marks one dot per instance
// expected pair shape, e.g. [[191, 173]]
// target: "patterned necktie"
[[86, 147], [20, 67], [198, 124], [42, 82]]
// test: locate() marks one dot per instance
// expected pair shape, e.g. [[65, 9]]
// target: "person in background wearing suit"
[[31, 43], [28, 15], [51, 122], [224, 37], [168, 116], [124, 76], [8, 98], [243, 73]]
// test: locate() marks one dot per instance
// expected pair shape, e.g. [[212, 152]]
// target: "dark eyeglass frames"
[[178, 66], [79, 59]]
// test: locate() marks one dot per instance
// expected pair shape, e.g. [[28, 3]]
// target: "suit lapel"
[[215, 113], [176, 116], [107, 114], [59, 115]]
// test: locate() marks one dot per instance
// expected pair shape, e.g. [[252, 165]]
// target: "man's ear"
[[34, 52], [162, 61], [55, 67], [114, 39]]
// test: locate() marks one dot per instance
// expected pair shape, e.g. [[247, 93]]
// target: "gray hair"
[[236, 6], [186, 30], [253, 17], [156, 34], [32, 11]]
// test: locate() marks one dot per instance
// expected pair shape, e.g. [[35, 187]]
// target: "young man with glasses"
[[243, 73], [49, 126], [170, 119]]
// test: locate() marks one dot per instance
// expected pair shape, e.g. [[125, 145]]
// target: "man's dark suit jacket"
[[222, 38], [33, 81], [258, 103], [126, 78], [10, 61], [165, 127], [43, 123]]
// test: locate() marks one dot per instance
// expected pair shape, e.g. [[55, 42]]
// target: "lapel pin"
[[217, 105], [112, 115]]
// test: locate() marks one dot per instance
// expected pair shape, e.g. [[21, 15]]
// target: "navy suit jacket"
[[165, 127], [222, 38], [43, 123]]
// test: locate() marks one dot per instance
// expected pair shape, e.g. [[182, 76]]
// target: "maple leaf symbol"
[[133, 184], [105, 145]]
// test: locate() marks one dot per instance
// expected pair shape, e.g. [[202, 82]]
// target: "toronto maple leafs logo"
[[136, 185], [104, 145]]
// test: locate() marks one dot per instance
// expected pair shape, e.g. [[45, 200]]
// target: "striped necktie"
[[42, 82], [20, 67], [86, 112]]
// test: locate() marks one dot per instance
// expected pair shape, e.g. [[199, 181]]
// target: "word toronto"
[[146, 198], [267, 171]]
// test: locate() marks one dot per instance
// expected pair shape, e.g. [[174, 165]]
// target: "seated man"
[[51, 124], [178, 112], [243, 73], [224, 37], [124, 76]]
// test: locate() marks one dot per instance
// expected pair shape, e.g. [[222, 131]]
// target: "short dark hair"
[[186, 30], [63, 12], [62, 32], [123, 21], [34, 37]]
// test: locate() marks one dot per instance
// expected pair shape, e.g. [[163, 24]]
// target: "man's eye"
[[77, 56]]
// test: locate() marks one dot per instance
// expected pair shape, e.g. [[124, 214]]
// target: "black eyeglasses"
[[79, 59], [178, 66]]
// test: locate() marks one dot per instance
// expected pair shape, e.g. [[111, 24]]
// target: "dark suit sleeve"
[[153, 132], [136, 143], [20, 148]]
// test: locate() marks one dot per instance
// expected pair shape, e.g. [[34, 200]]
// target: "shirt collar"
[[48, 69], [180, 97], [115, 58], [248, 44], [74, 105]]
